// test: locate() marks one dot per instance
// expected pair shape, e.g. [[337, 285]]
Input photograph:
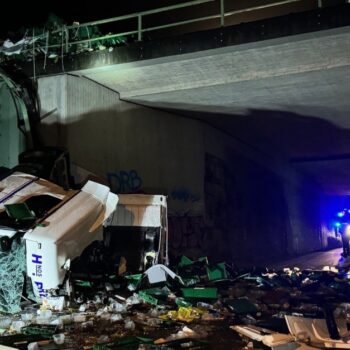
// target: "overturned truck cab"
[[56, 225], [65, 233]]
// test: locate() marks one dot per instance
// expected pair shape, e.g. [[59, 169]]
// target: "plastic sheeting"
[[12, 274]]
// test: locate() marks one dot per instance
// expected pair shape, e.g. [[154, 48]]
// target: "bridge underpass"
[[270, 115], [288, 96], [245, 129]]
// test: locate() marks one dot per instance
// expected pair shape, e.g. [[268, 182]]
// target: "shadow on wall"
[[247, 214], [293, 134], [288, 136], [259, 212], [98, 139]]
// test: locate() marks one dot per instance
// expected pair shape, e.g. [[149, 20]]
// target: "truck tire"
[[5, 243]]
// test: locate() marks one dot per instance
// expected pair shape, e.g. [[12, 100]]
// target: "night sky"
[[17, 15], [27, 14]]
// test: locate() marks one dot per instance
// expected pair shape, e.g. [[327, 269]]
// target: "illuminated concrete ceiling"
[[289, 95]]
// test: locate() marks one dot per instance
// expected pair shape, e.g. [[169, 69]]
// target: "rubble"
[[289, 309], [98, 299]]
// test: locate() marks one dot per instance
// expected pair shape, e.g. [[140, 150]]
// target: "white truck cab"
[[57, 225]]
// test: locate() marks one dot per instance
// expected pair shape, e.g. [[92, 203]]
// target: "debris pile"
[[56, 39], [192, 305]]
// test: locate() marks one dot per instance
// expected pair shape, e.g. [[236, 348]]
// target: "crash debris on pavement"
[[289, 309], [87, 269]]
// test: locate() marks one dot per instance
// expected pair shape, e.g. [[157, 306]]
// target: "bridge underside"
[[286, 95]]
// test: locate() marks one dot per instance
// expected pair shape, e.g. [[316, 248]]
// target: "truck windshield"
[[38, 205]]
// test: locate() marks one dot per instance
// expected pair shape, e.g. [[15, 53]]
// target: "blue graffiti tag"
[[124, 181], [184, 195]]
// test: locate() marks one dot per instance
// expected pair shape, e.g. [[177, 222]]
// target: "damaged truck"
[[44, 227], [51, 227]]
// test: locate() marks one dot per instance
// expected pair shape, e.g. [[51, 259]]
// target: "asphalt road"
[[310, 261]]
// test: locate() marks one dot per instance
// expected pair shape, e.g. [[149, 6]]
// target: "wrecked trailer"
[[139, 227]]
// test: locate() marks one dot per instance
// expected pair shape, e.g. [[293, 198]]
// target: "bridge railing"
[[60, 41], [66, 30]]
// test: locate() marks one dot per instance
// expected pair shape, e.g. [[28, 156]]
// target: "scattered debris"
[[289, 309], [136, 300], [159, 273]]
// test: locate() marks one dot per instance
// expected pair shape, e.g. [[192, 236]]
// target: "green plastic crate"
[[19, 211], [205, 293], [148, 298], [217, 272]]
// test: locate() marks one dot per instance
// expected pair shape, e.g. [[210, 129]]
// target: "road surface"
[[315, 260]]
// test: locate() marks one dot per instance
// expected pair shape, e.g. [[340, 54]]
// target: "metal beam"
[[135, 15]]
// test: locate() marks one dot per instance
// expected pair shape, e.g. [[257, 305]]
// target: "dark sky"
[[35, 12], [29, 13]]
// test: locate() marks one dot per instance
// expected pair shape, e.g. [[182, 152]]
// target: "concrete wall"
[[226, 200], [116, 139], [11, 139], [272, 210]]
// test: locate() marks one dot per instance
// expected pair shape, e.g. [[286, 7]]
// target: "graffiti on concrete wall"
[[184, 195], [187, 233], [124, 181], [193, 234], [218, 188]]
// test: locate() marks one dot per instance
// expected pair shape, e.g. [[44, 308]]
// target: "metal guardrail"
[[65, 30], [139, 16], [65, 36]]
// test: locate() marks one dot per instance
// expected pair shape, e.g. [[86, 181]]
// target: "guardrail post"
[[222, 13], [33, 50], [139, 27]]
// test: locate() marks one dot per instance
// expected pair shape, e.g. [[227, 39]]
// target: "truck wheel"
[[5, 243]]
